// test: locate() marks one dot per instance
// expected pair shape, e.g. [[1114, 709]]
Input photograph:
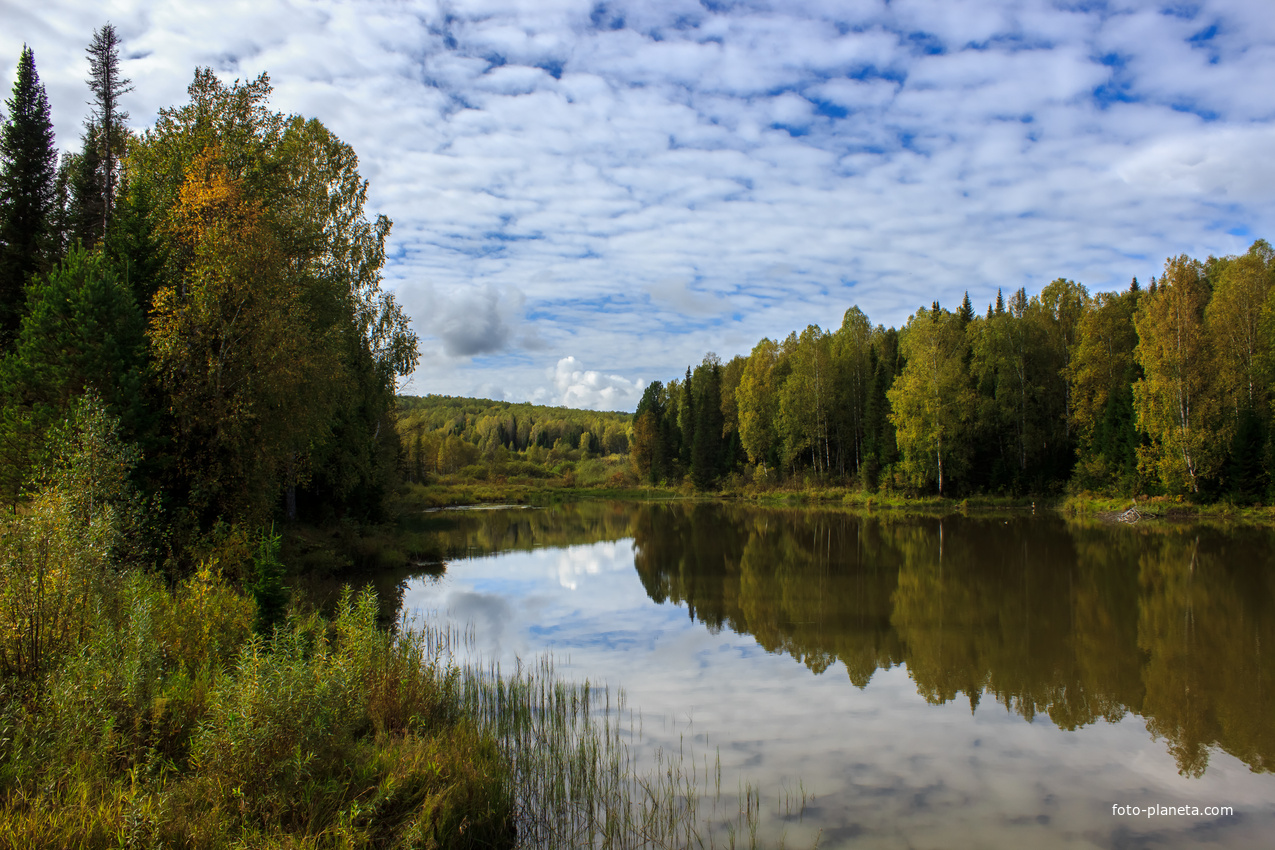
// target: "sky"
[[591, 196]]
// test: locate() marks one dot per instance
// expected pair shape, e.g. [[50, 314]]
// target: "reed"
[[579, 772]]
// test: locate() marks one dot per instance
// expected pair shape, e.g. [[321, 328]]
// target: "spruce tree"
[[706, 448], [85, 208], [686, 421], [28, 163]]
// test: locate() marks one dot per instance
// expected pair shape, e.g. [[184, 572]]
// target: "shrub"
[[265, 582], [54, 555]]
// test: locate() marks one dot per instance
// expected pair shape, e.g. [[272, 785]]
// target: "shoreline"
[[1104, 508]]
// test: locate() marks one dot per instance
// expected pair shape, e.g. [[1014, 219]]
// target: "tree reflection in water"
[[1078, 622]]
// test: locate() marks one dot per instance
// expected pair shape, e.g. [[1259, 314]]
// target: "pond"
[[906, 681]]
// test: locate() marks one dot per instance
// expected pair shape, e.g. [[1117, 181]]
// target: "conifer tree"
[[28, 163], [107, 121], [706, 449], [686, 421]]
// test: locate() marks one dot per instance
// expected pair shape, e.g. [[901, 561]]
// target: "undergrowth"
[[170, 729]]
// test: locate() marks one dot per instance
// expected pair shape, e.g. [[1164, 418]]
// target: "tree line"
[[1158, 390], [442, 434], [213, 283]]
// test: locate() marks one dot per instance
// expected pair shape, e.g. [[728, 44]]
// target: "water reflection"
[[1073, 622]]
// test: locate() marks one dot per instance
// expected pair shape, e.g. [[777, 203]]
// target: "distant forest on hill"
[[1163, 389], [444, 434]]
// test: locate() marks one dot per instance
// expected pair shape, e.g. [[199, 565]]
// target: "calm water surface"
[[925, 682]]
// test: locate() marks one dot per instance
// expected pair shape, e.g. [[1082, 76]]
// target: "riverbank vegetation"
[[1156, 392], [194, 344]]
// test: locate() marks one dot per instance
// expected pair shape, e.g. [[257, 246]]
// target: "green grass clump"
[[172, 724]]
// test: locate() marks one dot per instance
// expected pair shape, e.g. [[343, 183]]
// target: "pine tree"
[[107, 119], [28, 163]]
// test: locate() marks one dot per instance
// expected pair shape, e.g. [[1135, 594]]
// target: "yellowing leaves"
[[235, 353], [1178, 402]]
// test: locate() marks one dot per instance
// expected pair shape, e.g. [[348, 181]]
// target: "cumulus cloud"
[[638, 181], [578, 387]]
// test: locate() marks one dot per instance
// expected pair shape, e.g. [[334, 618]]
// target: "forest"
[[213, 286], [1162, 390], [443, 434]]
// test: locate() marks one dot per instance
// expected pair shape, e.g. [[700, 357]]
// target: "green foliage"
[[83, 331], [58, 550], [1178, 402], [1167, 389], [275, 349], [707, 448], [932, 402], [476, 439], [1101, 372], [757, 403], [265, 584], [805, 397], [164, 720], [28, 160]]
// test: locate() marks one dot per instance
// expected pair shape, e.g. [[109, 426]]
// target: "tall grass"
[[580, 775], [173, 724], [162, 729]]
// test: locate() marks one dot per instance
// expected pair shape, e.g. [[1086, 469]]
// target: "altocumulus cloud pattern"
[[590, 195]]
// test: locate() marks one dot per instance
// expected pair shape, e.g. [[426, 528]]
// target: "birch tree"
[[1234, 320], [931, 400], [1177, 401], [756, 402]]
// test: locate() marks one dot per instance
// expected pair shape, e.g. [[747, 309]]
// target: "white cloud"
[[1233, 163], [577, 387], [625, 195]]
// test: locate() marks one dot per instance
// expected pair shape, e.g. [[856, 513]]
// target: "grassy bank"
[[454, 491], [170, 723], [1089, 505], [457, 492]]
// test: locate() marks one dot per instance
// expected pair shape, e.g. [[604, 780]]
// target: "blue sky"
[[589, 196]]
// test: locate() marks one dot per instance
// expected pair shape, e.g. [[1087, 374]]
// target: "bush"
[[55, 555], [319, 726], [265, 583], [473, 472], [339, 732]]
